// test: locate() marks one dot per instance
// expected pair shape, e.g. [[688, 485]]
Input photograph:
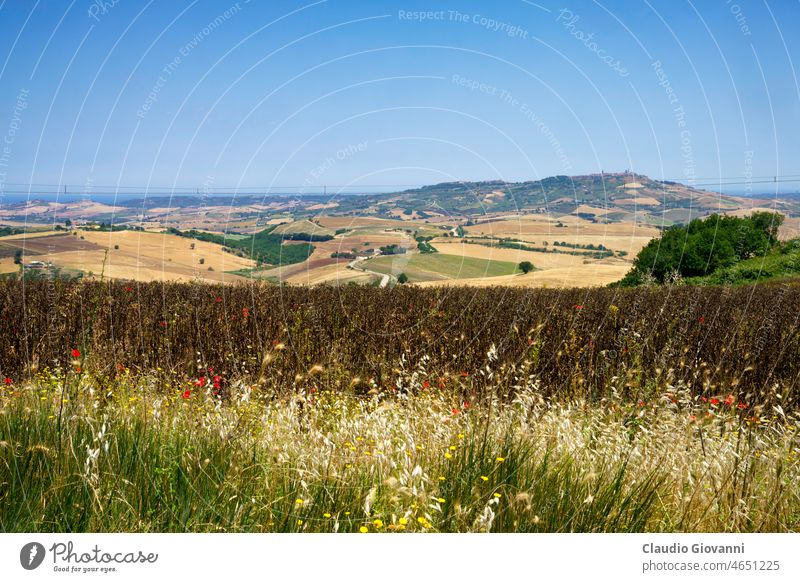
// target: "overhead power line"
[[67, 189]]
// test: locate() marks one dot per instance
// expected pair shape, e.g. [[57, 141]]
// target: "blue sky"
[[344, 93]]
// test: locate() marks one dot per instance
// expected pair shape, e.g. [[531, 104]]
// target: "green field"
[[432, 267], [302, 227]]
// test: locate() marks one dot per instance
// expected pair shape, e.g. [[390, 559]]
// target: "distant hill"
[[600, 198]]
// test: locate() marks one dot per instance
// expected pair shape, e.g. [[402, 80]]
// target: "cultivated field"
[[133, 255], [439, 266], [479, 251], [593, 275], [469, 259], [618, 236]]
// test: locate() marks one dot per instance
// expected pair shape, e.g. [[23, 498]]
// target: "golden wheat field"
[[132, 255]]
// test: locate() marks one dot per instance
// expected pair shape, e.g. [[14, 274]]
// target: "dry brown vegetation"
[[583, 343]]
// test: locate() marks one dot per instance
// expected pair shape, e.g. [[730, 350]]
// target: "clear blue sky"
[[339, 92]]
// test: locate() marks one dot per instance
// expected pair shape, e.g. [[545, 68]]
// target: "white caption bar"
[[463, 557]]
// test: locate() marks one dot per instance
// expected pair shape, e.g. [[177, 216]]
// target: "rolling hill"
[[601, 198]]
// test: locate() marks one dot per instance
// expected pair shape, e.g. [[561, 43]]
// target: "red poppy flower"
[[579, 307], [163, 324], [701, 319], [715, 401], [8, 381], [455, 411], [641, 403], [426, 385], [128, 289], [218, 299], [729, 400], [246, 312], [186, 394], [467, 405], [703, 399], [741, 406], [76, 353]]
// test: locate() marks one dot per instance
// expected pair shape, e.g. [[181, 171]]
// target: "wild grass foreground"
[[78, 454]]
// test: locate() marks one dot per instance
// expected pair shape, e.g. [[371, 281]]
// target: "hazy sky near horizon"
[[344, 93]]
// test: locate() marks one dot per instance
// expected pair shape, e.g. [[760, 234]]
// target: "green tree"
[[402, 278], [525, 266], [769, 223], [704, 246]]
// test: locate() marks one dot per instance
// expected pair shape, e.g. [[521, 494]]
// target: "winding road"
[[385, 279]]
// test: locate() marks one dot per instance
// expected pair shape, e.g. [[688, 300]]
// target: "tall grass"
[[79, 453], [578, 343]]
